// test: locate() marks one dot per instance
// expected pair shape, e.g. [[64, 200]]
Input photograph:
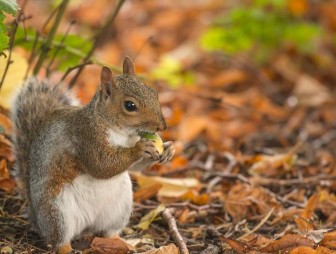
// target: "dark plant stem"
[[32, 53], [98, 39], [18, 18], [74, 68], [61, 45], [47, 44]]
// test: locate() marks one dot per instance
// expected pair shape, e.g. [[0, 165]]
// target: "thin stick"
[[59, 47], [19, 17], [174, 231], [46, 46], [70, 69], [262, 222], [98, 39]]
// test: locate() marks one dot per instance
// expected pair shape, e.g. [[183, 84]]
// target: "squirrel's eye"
[[130, 106]]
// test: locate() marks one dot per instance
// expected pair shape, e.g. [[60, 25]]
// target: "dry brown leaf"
[[228, 77], [192, 126], [6, 182], [169, 249], [288, 241], [171, 187], [5, 149], [113, 245], [196, 198], [298, 7], [236, 245], [311, 206], [323, 250], [4, 174], [150, 217], [303, 221], [269, 165], [303, 250], [147, 192], [329, 240], [184, 216], [5, 123], [310, 92]]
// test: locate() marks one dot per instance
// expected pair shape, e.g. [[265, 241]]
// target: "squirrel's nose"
[[162, 126]]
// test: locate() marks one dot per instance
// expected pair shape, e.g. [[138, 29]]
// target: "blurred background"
[[247, 88]]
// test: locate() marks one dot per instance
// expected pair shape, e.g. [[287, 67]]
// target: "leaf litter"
[[255, 168]]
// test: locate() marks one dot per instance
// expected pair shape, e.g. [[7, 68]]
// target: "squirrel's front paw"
[[148, 149], [168, 152]]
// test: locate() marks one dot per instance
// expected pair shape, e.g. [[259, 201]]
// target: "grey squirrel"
[[74, 161]]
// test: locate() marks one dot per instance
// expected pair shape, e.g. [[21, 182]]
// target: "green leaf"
[[9, 6], [170, 70], [69, 53], [4, 39], [261, 29]]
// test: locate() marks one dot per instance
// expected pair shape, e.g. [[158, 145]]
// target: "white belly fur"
[[101, 205]]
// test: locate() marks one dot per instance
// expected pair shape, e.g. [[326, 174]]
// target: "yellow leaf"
[[14, 77], [171, 187], [150, 217]]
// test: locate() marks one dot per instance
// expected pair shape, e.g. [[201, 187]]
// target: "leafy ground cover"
[[254, 127]]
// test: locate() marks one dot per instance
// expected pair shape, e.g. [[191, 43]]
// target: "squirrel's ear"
[[128, 66], [107, 81]]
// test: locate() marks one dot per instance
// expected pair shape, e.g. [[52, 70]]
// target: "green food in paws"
[[158, 143]]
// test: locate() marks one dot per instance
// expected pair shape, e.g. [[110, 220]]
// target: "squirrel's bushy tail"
[[33, 102]]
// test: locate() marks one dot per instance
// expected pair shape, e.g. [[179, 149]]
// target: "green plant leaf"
[[9, 6], [261, 29], [4, 39]]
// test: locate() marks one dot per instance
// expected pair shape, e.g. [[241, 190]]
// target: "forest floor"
[[255, 163]]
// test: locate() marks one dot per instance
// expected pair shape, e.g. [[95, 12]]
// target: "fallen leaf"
[[6, 182], [192, 126], [329, 240], [303, 250], [150, 217], [113, 245], [287, 242], [297, 7], [323, 250], [146, 193], [5, 124], [171, 187], [236, 245], [265, 164], [228, 77], [303, 221], [169, 249], [6, 250], [310, 92], [196, 198]]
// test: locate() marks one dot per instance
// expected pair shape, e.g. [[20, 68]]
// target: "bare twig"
[[166, 214], [70, 69], [19, 17], [260, 224], [98, 39], [47, 44], [59, 47], [32, 53]]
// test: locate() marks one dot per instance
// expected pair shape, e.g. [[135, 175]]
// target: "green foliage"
[[69, 52], [10, 7], [260, 29], [170, 70]]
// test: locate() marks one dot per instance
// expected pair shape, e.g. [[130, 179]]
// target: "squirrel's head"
[[127, 102]]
